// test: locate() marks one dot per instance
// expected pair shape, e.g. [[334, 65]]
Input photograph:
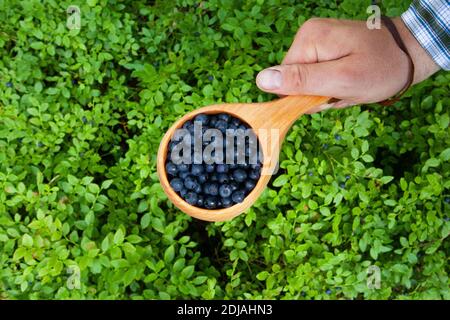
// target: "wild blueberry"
[[238, 196], [221, 125], [221, 168], [191, 198], [214, 177], [342, 185], [211, 202], [176, 184], [200, 201], [223, 116], [184, 174], [347, 177], [210, 78], [190, 183], [235, 122], [325, 146], [447, 200], [198, 188], [254, 174], [40, 144], [234, 186], [182, 167], [209, 168], [202, 178], [250, 185], [9, 84], [211, 188], [225, 190], [183, 192], [337, 137], [328, 291], [74, 81], [196, 169], [239, 175], [227, 202], [171, 168], [84, 119], [222, 178], [310, 174], [203, 118]]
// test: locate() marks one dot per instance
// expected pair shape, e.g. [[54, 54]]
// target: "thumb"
[[323, 78]]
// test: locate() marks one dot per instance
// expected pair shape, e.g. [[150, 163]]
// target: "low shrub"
[[82, 214]]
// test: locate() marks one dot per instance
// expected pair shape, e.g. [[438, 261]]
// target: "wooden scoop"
[[270, 121]]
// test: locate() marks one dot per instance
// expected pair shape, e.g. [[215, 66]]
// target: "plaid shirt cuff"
[[429, 22]]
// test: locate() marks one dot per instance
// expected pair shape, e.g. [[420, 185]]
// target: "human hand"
[[346, 60]]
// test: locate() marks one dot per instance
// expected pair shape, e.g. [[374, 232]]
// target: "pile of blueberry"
[[214, 185]]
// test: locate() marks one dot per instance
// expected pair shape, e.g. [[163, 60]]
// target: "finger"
[[330, 78]]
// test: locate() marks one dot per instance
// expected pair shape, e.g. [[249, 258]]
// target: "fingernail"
[[269, 79]]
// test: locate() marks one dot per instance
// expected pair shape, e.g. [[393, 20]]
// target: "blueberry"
[[242, 127], [238, 196], [200, 201], [347, 177], [342, 185], [310, 174], [222, 178], [74, 81], [182, 167], [188, 124], [221, 168], [202, 118], [84, 120], [212, 121], [176, 184], [214, 177], [447, 200], [209, 168], [239, 175], [198, 188], [190, 183], [211, 188], [9, 84], [221, 125], [328, 291], [183, 192], [40, 144], [171, 168], [184, 174], [337, 137], [224, 116], [254, 174], [202, 178], [256, 166], [236, 122], [172, 145], [250, 184], [325, 146], [210, 78], [233, 166], [196, 169], [225, 191], [191, 198], [211, 202], [227, 202]]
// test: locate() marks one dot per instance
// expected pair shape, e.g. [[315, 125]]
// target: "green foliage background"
[[81, 116]]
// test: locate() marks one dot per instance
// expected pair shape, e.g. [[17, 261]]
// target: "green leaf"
[[118, 237], [169, 254], [27, 240], [280, 180]]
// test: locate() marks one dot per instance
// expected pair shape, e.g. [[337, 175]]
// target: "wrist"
[[423, 63]]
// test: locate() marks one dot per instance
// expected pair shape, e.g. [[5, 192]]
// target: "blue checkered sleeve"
[[429, 22]]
